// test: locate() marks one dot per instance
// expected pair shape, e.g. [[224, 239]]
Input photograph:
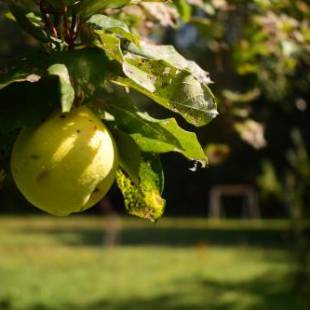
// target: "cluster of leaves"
[[280, 46], [90, 55], [260, 51], [264, 48]]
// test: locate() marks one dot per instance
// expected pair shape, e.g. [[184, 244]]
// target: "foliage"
[[259, 51], [92, 54]]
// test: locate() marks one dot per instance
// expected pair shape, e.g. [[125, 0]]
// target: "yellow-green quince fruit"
[[67, 164]]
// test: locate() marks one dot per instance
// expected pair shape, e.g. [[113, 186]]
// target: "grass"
[[51, 263]]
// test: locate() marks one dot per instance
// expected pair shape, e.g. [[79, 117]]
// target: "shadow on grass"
[[164, 236], [263, 292]]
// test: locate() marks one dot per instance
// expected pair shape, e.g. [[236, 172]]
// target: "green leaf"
[[87, 70], [27, 25], [152, 135], [187, 142], [169, 54], [144, 200], [110, 44], [184, 9], [112, 25], [129, 154], [87, 8], [142, 71], [29, 69], [176, 90], [65, 88], [18, 74]]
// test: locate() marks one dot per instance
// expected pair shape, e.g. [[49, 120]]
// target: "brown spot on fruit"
[[43, 175], [34, 156]]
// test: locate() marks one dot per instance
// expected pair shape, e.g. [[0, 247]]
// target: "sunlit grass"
[[62, 263]]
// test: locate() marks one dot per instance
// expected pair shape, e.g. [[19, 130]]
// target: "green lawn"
[[55, 263]]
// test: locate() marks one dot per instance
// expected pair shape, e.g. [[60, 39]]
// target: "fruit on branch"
[[66, 164]]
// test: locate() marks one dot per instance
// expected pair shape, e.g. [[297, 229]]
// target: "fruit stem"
[[47, 21], [69, 31]]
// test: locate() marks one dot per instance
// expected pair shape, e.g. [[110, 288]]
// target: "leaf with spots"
[[144, 200], [175, 89], [169, 54], [109, 43]]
